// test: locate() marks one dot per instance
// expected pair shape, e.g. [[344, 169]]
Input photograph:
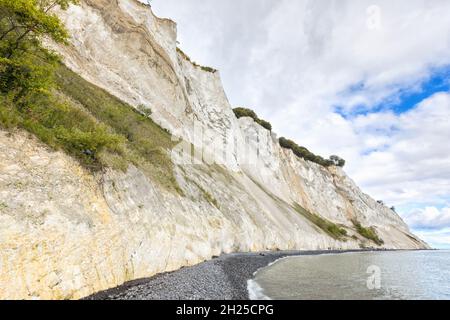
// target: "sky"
[[366, 80]]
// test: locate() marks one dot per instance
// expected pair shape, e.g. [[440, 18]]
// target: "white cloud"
[[305, 53], [436, 238], [294, 61], [413, 161], [429, 218]]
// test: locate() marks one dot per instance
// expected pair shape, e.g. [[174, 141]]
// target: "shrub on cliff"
[[332, 229], [244, 112], [337, 161], [368, 233], [265, 124], [144, 110], [304, 153]]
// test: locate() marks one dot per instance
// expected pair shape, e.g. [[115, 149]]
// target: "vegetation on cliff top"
[[40, 95], [304, 153], [204, 68], [244, 112], [299, 151]]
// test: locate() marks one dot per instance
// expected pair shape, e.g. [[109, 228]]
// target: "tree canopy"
[[244, 112], [26, 66], [337, 161], [304, 153]]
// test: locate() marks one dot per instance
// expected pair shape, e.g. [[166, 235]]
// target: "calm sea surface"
[[406, 275]]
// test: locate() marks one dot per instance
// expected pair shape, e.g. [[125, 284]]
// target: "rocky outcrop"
[[66, 233]]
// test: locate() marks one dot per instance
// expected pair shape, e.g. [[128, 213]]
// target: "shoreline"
[[222, 278]]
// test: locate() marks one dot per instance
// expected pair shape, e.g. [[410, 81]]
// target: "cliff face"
[[67, 233]]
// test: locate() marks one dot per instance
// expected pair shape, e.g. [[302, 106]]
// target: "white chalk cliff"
[[66, 233]]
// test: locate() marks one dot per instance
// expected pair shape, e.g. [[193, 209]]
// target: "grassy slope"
[[327, 226], [96, 128], [368, 233], [147, 143], [335, 231]]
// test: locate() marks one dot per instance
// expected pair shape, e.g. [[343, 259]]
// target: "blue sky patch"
[[405, 99], [438, 82]]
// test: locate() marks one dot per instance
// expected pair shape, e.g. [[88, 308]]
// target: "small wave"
[[255, 292]]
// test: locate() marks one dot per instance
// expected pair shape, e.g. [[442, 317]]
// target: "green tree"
[[26, 66], [337, 161], [304, 153]]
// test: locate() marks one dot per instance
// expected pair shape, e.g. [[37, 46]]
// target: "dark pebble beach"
[[222, 278]]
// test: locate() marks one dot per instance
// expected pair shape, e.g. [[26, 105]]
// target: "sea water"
[[396, 275]]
